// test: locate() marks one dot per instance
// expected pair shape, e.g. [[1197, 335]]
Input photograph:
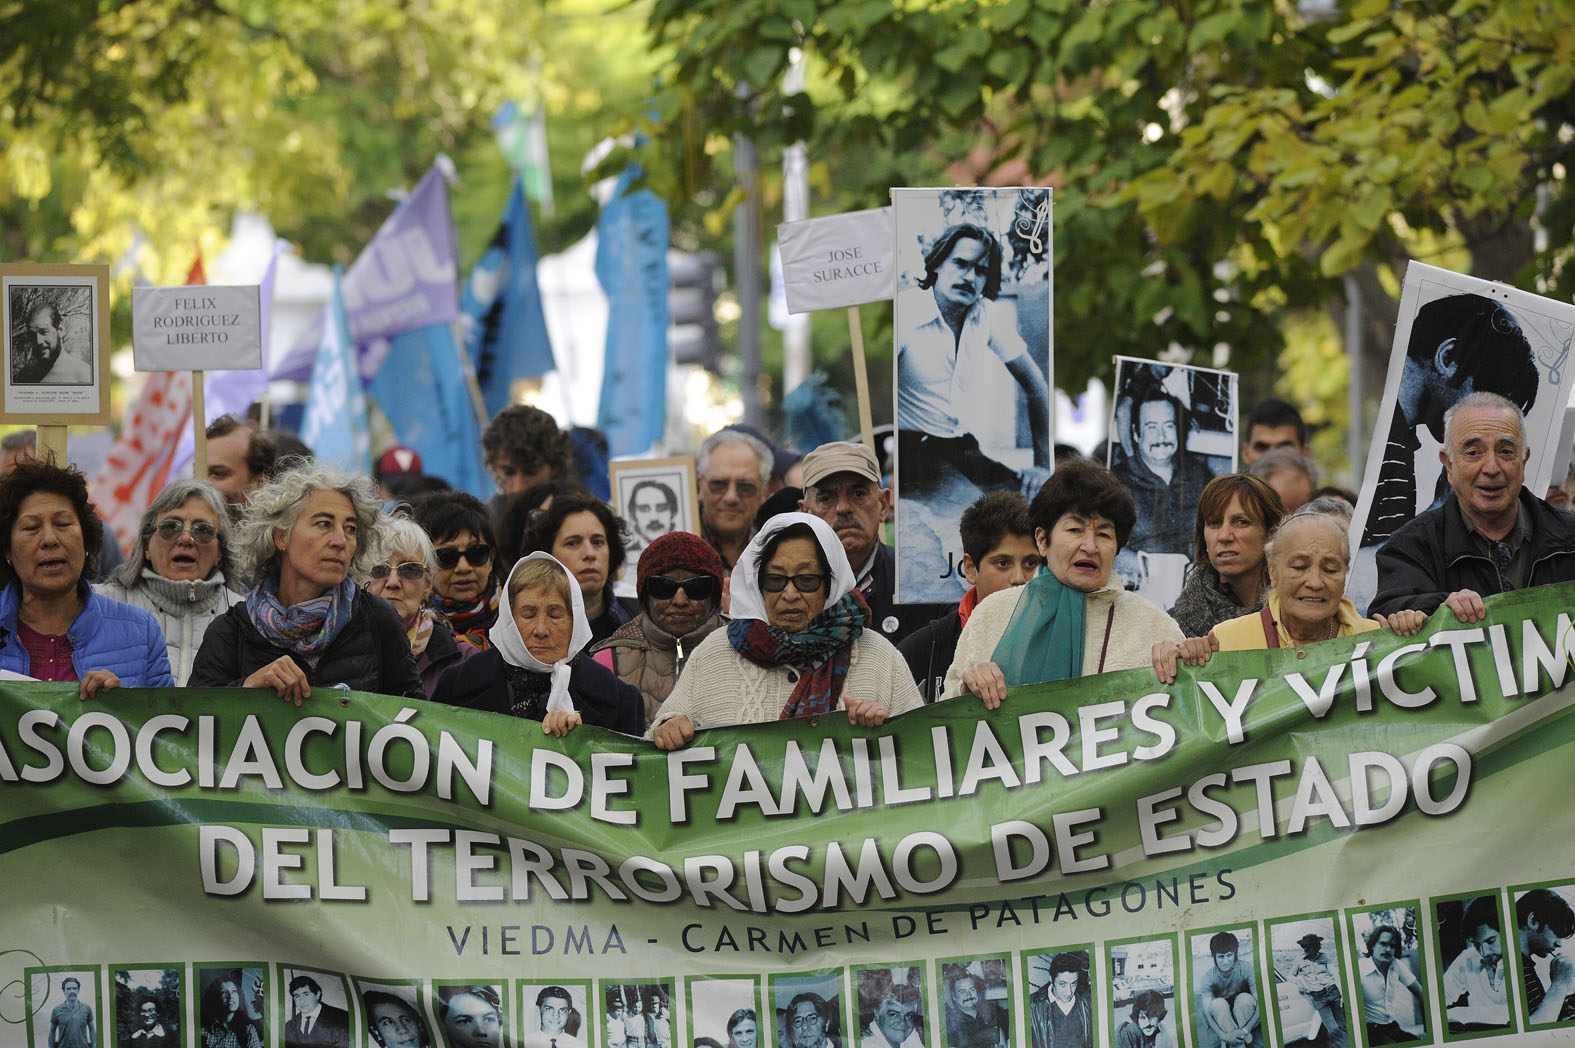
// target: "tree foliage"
[[1215, 161]]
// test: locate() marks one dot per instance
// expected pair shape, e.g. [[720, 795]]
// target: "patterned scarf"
[[302, 629], [470, 619], [821, 652], [421, 633]]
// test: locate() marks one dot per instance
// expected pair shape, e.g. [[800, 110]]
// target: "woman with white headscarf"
[[534, 668], [798, 645]]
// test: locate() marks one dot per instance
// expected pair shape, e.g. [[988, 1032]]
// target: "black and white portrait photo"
[[725, 1012], [316, 1009], [1472, 939], [230, 1009], [149, 1008], [1227, 1001], [1061, 1012], [1457, 335], [1309, 980], [1544, 926], [63, 1008], [554, 1015], [56, 322], [394, 1016], [891, 1007], [978, 1003], [972, 367], [1143, 994], [638, 1015], [471, 1015], [1391, 975], [808, 1010], [1172, 430], [654, 497]]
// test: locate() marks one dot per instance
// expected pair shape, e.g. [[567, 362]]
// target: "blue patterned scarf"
[[301, 629]]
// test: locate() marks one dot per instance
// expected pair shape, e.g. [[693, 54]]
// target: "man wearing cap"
[[1318, 978], [842, 487], [679, 583]]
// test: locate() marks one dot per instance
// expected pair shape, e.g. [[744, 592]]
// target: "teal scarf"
[[1044, 639]]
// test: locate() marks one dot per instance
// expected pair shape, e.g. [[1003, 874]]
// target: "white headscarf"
[[747, 600], [505, 635]]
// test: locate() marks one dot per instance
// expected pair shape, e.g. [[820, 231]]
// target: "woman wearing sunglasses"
[[679, 582], [305, 624], [180, 568], [404, 579], [465, 588], [798, 644]]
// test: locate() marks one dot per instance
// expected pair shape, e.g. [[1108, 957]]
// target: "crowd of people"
[[277, 573]]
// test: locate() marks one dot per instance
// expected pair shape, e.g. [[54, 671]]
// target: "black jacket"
[[481, 683], [894, 621], [371, 653], [929, 651], [1432, 556]]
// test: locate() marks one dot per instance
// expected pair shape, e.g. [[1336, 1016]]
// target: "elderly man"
[[1490, 535], [896, 1021], [806, 1018], [1164, 479], [842, 487], [39, 354], [733, 471], [1291, 474]]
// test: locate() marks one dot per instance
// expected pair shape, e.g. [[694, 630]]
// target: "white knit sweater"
[[719, 686], [1132, 632]]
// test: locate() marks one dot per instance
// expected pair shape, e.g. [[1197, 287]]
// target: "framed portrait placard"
[[654, 496], [56, 321]]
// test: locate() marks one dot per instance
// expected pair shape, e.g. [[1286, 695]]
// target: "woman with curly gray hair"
[[180, 568], [305, 624]]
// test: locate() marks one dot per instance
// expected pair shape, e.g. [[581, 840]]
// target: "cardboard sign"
[[839, 260], [196, 328]]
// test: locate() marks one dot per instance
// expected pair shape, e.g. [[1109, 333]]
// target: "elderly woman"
[[1309, 558], [534, 667], [582, 532], [679, 582], [179, 569], [404, 579], [1069, 620], [52, 625], [1237, 513], [305, 624], [798, 644], [465, 586]]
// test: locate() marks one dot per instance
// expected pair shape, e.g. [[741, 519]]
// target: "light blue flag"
[[505, 330], [334, 426], [631, 263], [422, 389]]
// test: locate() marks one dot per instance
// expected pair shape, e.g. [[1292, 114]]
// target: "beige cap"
[[840, 456]]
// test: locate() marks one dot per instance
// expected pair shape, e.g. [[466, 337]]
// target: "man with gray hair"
[[1490, 535], [733, 469]]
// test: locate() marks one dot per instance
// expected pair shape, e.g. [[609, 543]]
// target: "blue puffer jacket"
[[107, 635]]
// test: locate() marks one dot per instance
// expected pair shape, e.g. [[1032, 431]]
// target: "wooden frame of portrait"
[[25, 286], [677, 473]]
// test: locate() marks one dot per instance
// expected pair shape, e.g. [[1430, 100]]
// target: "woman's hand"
[[866, 713], [1406, 623], [1194, 651], [560, 722], [284, 677], [987, 682], [95, 681], [673, 733]]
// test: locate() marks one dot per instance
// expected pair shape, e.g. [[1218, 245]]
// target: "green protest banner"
[[1359, 842]]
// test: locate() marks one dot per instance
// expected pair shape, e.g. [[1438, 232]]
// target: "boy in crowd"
[[998, 552]]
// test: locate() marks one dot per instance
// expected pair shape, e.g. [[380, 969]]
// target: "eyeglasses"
[[409, 571], [170, 530], [747, 489], [805, 583], [448, 556], [701, 587]]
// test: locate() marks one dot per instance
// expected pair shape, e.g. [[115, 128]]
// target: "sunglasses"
[[803, 583], [409, 571], [701, 587], [476, 556], [171, 530]]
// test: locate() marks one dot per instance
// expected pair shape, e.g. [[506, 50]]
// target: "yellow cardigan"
[[1245, 632]]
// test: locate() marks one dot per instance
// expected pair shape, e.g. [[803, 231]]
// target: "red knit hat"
[[679, 549]]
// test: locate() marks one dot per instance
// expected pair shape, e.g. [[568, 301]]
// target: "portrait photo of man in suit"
[[312, 1023]]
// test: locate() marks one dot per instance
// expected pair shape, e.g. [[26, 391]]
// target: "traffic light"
[[694, 281]]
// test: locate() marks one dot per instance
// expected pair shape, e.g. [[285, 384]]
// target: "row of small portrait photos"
[[1479, 964]]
